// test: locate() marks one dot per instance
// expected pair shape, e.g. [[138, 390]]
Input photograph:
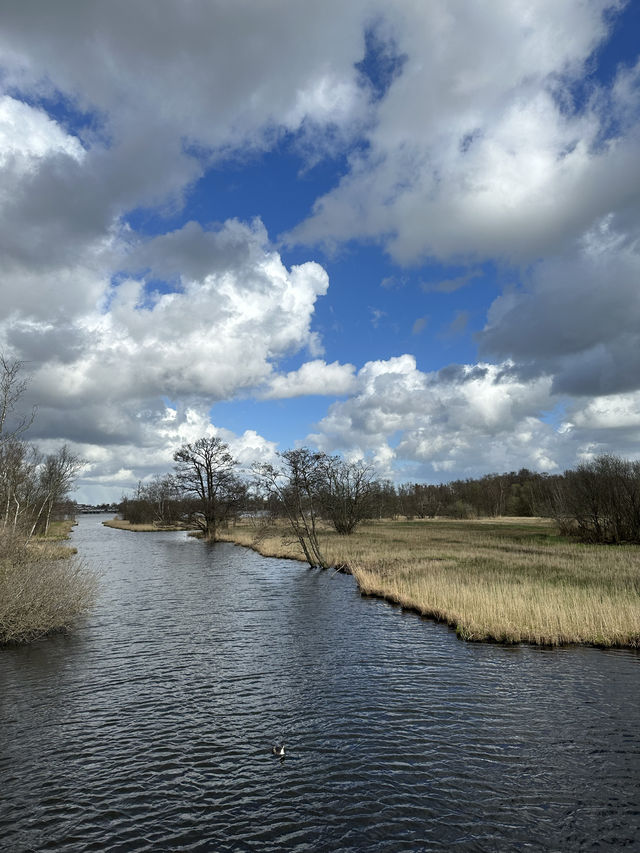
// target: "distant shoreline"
[[120, 524]]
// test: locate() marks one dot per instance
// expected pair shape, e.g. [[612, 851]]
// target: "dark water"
[[151, 728]]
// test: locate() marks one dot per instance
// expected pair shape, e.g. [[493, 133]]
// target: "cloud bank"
[[463, 134]]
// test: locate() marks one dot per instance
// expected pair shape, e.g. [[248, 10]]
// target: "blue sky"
[[403, 232]]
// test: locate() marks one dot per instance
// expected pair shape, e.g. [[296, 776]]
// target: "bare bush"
[[42, 590], [600, 501]]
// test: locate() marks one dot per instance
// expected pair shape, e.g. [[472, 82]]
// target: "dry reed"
[[43, 589], [146, 527], [506, 580]]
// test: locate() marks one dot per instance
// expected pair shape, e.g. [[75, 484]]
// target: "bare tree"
[[205, 470], [346, 492], [12, 387], [297, 485], [56, 477], [600, 500]]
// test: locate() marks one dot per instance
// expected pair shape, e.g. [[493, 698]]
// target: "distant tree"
[[346, 491], [600, 500], [206, 471], [163, 496], [385, 502]]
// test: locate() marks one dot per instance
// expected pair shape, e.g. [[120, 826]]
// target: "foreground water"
[[151, 728]]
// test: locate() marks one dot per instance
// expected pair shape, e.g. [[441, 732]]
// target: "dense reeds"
[[44, 588], [508, 580]]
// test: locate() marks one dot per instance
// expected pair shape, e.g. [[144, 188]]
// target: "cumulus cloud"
[[466, 420], [476, 150], [314, 377], [209, 337], [467, 146], [232, 311]]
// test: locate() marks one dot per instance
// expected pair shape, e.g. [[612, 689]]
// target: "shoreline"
[[506, 581], [119, 524]]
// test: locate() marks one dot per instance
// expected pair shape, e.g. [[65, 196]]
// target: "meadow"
[[509, 580]]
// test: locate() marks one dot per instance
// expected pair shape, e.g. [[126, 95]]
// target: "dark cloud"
[[578, 320]]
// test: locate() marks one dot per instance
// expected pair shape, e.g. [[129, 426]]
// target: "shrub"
[[42, 589], [600, 501]]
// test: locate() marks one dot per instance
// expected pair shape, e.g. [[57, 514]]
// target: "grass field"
[[503, 580]]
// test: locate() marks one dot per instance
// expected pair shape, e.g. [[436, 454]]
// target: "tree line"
[[597, 502]]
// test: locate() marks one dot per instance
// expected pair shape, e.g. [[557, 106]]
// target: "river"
[[150, 729]]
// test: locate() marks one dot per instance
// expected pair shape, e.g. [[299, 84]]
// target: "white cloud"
[[211, 337], [467, 420], [28, 134], [475, 150], [314, 377]]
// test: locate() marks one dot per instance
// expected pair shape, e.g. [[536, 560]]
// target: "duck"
[[278, 749]]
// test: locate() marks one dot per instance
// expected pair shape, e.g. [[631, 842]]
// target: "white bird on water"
[[278, 749]]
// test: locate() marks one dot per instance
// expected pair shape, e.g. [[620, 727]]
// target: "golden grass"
[[505, 580], [60, 530], [119, 524], [43, 589]]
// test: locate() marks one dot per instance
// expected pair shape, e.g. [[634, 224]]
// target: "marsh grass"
[[43, 589], [505, 580], [119, 524]]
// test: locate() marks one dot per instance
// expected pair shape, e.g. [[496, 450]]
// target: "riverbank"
[[500, 580], [44, 588], [119, 524]]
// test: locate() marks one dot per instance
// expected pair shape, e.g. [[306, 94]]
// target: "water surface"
[[151, 727]]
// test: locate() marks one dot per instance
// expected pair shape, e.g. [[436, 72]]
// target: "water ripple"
[[151, 728]]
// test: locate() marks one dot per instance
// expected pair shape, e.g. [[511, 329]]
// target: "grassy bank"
[[119, 524], [44, 588], [507, 580]]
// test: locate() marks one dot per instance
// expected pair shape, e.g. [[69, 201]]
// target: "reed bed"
[[507, 580], [43, 588]]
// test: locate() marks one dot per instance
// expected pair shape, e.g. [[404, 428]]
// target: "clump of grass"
[[507, 581], [43, 589]]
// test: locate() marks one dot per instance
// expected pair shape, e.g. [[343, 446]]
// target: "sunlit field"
[[505, 580]]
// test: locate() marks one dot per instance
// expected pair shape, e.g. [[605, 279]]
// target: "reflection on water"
[[152, 727]]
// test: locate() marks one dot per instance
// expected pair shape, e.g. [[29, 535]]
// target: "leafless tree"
[[206, 471], [296, 484], [56, 476], [12, 387], [600, 500], [346, 492]]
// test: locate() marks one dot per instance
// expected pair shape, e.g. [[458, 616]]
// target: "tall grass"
[[502, 580], [43, 589]]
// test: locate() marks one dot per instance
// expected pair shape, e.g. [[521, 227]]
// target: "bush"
[[42, 589], [600, 501]]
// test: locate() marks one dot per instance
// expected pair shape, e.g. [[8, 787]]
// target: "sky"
[[403, 232]]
